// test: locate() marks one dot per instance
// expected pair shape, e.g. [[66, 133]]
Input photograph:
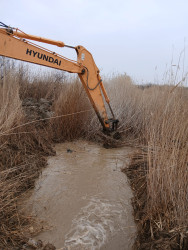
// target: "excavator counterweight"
[[16, 44]]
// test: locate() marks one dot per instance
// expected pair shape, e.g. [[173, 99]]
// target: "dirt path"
[[85, 198]]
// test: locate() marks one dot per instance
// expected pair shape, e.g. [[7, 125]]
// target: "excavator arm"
[[15, 44]]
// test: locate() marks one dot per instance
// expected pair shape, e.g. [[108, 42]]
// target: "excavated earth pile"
[[35, 110]]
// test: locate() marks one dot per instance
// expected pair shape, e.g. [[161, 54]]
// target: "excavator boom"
[[15, 44]]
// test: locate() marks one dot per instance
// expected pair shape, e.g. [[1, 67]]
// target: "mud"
[[37, 109], [84, 199]]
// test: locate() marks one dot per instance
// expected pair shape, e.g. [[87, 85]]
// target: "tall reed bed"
[[157, 116]]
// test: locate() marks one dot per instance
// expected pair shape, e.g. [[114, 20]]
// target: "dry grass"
[[127, 102], [72, 99], [161, 127], [10, 111], [167, 136], [21, 158]]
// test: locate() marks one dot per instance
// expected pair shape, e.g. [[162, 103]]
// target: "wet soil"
[[83, 200]]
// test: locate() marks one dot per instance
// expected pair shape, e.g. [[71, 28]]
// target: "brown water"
[[85, 198]]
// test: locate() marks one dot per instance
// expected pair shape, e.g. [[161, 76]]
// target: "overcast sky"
[[137, 37]]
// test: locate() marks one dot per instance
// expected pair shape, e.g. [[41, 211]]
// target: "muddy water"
[[85, 198]]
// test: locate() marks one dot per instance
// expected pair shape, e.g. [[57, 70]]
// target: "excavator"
[[17, 44]]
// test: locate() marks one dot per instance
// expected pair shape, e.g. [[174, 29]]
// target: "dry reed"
[[162, 129]]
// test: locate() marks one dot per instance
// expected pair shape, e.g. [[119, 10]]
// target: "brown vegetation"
[[154, 119], [160, 179], [26, 136]]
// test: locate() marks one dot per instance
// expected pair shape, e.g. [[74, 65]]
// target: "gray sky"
[[137, 37]]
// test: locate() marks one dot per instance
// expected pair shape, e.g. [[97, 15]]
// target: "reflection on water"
[[85, 198]]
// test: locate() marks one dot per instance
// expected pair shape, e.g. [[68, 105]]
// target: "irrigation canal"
[[84, 198]]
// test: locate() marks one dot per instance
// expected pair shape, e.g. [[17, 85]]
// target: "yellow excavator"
[[17, 44]]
